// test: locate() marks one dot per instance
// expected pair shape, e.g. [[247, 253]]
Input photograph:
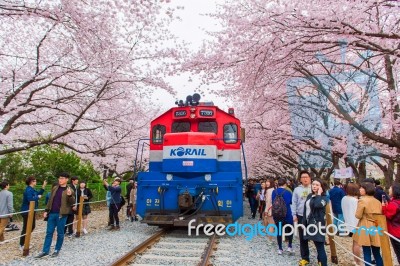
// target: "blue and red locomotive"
[[195, 169]]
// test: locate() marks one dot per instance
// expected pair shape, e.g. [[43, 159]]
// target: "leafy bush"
[[45, 162]]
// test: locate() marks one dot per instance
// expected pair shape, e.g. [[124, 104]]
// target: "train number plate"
[[206, 112], [180, 113], [187, 163]]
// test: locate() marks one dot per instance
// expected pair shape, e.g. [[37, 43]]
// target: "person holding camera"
[[59, 206], [115, 202], [391, 209], [30, 194]]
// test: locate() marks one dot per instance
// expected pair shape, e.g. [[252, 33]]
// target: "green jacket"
[[66, 201]]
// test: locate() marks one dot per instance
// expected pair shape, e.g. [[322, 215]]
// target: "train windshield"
[[208, 127], [158, 134], [230, 133], [180, 127]]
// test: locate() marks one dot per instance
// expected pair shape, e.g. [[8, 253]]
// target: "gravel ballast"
[[101, 247]]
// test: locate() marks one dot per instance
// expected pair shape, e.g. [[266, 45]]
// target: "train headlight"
[[169, 177], [207, 177]]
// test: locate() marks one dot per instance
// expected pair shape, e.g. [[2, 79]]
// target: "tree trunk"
[[397, 173]]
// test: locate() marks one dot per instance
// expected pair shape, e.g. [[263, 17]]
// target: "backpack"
[[278, 207]]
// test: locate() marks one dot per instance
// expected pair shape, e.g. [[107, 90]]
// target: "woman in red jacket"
[[392, 212]]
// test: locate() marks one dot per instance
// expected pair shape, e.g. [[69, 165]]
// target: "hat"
[[117, 179]]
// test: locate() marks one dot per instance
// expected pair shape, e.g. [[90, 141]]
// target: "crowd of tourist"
[[303, 201], [62, 206], [273, 201]]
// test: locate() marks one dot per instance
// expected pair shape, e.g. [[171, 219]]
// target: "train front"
[[195, 168]]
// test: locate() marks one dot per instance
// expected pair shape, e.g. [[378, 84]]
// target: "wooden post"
[[332, 244], [80, 209], [385, 243], [31, 216]]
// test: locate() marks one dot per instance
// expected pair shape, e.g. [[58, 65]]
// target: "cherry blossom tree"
[[81, 74], [267, 44]]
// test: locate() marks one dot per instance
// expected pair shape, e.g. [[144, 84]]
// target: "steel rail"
[[208, 251], [131, 255]]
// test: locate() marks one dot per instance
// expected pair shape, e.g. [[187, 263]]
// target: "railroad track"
[[171, 247]]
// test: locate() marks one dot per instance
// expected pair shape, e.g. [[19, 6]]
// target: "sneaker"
[[70, 235], [280, 252], [110, 227], [41, 255], [84, 231], [303, 262], [290, 250], [11, 227], [55, 254], [22, 247]]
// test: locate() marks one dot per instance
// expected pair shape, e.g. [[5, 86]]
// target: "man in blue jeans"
[[59, 206], [115, 202], [336, 195]]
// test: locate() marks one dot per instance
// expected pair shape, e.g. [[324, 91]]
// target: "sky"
[[192, 29]]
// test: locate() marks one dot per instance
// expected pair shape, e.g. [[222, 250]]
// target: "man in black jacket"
[[251, 195]]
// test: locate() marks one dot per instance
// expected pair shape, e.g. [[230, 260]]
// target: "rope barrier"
[[39, 231], [35, 232], [356, 227], [37, 210], [90, 202], [14, 213], [351, 253]]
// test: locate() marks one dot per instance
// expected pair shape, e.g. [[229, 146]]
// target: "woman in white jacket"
[[349, 207]]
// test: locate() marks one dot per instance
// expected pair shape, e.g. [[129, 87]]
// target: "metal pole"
[[141, 155], [136, 156]]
